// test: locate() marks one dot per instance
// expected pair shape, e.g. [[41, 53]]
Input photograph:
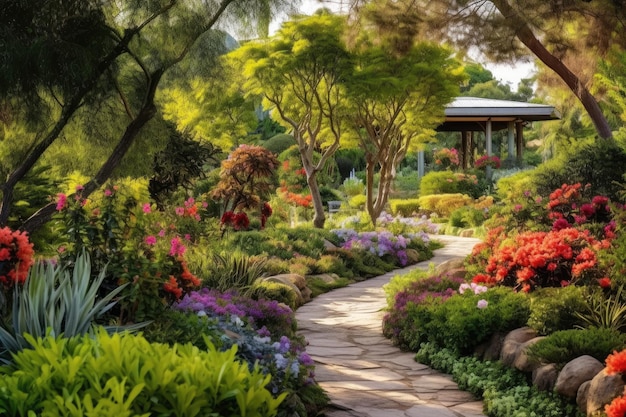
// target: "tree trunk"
[[319, 218], [528, 38], [370, 168], [146, 113]]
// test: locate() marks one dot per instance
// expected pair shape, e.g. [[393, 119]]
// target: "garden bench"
[[333, 206]]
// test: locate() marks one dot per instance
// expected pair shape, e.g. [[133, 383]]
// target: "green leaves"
[[124, 375], [55, 301]]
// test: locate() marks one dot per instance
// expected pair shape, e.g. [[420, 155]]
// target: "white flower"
[[482, 304], [464, 287]]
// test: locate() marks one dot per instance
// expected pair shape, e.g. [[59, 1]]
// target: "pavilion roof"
[[471, 113]]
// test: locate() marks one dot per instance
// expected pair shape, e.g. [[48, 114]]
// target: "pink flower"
[[162, 233], [205, 204], [187, 236], [79, 188], [150, 240], [482, 304], [108, 193], [146, 208], [180, 211], [517, 207], [176, 247], [190, 202], [61, 200]]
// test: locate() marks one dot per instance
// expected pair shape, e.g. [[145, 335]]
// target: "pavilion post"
[[511, 143], [519, 138]]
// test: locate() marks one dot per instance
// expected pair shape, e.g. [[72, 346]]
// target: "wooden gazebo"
[[471, 114]]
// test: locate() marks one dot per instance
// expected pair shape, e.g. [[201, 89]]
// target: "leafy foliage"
[[177, 166], [554, 309], [448, 182], [55, 301], [126, 375], [231, 272], [505, 391], [562, 346], [604, 311], [246, 178]]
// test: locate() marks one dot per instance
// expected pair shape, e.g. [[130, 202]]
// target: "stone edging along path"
[[362, 372]]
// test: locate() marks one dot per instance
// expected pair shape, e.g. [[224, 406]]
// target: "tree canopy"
[[93, 54]]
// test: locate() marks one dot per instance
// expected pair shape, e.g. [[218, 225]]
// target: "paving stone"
[[333, 351], [429, 410]]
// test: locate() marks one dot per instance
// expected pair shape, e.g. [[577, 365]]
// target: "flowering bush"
[[16, 257], [487, 161], [446, 158], [258, 328], [542, 259], [138, 245], [379, 243]]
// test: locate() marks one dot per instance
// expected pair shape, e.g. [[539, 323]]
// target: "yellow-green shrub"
[[358, 201], [404, 207], [444, 204], [125, 375]]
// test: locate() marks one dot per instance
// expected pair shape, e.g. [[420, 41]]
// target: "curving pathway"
[[362, 372]]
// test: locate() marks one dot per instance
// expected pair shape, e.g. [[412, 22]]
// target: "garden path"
[[362, 372]]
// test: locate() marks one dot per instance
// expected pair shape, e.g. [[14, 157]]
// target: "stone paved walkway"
[[362, 372]]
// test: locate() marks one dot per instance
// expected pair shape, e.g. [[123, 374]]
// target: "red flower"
[[617, 408], [227, 218], [241, 221], [560, 224], [616, 362], [604, 282]]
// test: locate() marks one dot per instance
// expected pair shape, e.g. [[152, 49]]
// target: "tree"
[[129, 47], [298, 73], [211, 105], [397, 95], [557, 33], [246, 178]]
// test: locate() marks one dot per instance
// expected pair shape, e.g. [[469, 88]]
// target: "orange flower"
[[172, 287], [616, 362], [617, 408]]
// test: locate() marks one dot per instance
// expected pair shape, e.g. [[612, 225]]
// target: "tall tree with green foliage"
[[299, 73], [59, 56], [568, 37], [397, 92]]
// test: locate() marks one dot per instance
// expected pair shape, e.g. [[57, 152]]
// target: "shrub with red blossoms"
[[16, 257], [238, 221], [487, 161], [543, 259], [616, 364]]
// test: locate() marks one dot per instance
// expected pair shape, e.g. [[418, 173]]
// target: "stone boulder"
[[603, 389], [467, 233], [296, 282], [575, 373], [512, 342], [412, 256], [454, 268], [582, 395], [522, 361], [490, 349], [326, 278], [544, 377]]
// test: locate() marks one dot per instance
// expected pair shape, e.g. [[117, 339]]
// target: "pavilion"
[[471, 114]]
